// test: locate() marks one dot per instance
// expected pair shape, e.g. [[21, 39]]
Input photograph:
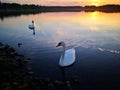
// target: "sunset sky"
[[65, 2]]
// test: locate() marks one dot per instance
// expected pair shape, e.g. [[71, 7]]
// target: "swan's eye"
[[59, 44]]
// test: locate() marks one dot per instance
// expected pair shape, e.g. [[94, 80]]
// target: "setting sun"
[[95, 2]]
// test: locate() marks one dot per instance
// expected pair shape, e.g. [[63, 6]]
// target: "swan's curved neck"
[[33, 23], [63, 53]]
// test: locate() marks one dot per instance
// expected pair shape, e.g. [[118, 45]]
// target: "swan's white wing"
[[31, 26], [69, 58]]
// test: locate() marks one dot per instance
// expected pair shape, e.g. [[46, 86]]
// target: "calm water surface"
[[94, 35]]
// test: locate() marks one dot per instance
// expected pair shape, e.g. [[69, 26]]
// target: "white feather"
[[31, 26], [69, 58]]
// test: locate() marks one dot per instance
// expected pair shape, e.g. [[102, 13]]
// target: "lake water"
[[94, 35]]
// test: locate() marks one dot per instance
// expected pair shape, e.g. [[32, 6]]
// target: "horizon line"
[[61, 5]]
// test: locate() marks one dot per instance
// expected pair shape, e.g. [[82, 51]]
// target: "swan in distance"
[[31, 26], [68, 56]]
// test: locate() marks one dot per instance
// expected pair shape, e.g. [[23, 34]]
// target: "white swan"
[[68, 56], [31, 26]]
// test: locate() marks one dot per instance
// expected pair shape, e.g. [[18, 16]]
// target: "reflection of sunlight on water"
[[94, 19], [94, 15], [77, 29], [94, 28]]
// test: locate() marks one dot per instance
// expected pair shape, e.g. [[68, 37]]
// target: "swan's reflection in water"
[[63, 72], [67, 83], [33, 29]]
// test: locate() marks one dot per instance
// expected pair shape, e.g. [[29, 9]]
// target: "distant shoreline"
[[14, 7]]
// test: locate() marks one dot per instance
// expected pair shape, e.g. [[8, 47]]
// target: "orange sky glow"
[[65, 2]]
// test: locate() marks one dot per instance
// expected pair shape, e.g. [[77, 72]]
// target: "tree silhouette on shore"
[[14, 7]]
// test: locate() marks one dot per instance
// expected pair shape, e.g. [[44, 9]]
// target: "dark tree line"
[[109, 8], [38, 8], [7, 6]]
